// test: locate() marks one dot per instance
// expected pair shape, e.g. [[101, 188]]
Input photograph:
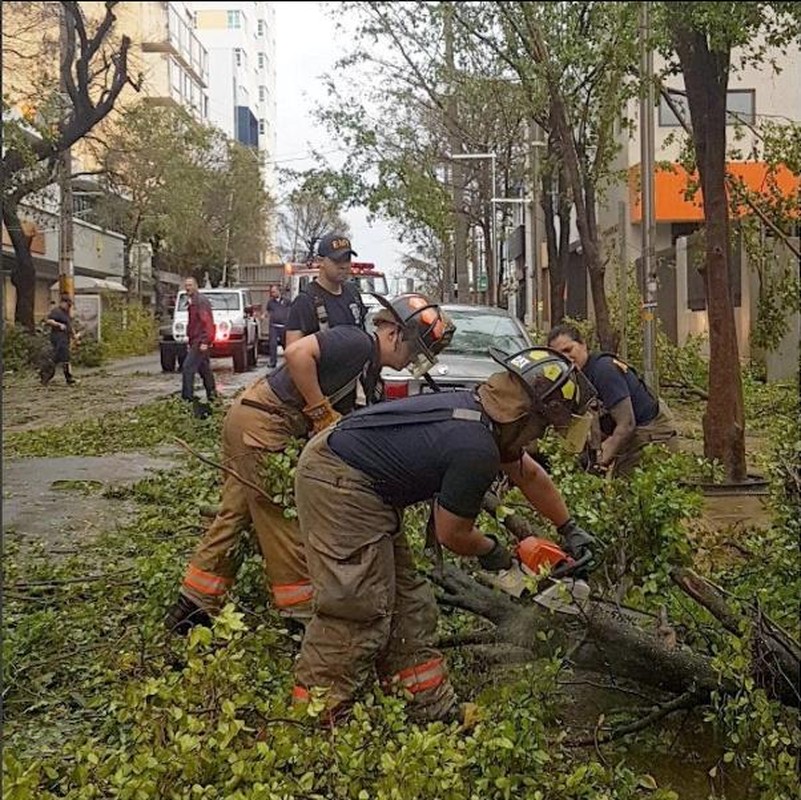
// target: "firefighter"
[[304, 396], [372, 612], [631, 415], [331, 299]]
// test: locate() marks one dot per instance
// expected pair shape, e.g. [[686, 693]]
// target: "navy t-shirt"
[[342, 309], [615, 381], [455, 459], [58, 338], [344, 352]]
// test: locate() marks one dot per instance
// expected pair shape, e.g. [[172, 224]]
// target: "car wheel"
[[167, 353], [241, 357], [253, 355]]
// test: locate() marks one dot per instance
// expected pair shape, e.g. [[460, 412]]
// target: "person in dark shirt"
[[305, 395], [200, 332], [278, 309], [631, 415], [372, 611], [330, 299], [59, 320]]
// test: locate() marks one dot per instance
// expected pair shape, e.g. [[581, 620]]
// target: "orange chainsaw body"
[[535, 553]]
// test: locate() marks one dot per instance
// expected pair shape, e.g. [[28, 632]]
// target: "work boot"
[[184, 615]]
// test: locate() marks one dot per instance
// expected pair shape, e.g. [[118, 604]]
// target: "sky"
[[306, 50]]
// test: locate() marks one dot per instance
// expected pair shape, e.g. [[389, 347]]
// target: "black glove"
[[577, 542], [496, 559]]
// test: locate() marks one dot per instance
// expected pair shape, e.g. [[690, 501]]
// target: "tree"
[[94, 71], [702, 36], [308, 215]]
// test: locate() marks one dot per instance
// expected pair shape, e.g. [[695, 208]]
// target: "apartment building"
[[240, 40], [174, 68], [755, 94]]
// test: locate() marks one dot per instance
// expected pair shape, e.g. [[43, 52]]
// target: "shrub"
[[127, 329]]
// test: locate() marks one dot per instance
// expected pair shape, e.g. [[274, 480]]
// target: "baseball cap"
[[335, 246]]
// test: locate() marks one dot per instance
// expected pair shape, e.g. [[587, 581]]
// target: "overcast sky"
[[307, 46]]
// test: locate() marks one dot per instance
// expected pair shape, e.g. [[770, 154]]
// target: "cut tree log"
[[622, 643]]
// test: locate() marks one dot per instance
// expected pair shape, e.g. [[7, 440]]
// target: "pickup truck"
[[235, 329]]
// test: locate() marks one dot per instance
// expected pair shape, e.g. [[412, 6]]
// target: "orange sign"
[[671, 200]]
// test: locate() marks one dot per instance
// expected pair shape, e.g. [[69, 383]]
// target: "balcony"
[[174, 36]]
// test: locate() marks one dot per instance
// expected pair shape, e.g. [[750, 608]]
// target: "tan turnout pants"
[[661, 429], [372, 612], [247, 433]]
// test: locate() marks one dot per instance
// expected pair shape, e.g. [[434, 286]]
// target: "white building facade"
[[240, 41]]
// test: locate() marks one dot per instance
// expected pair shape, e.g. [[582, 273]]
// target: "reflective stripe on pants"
[[247, 433], [372, 610]]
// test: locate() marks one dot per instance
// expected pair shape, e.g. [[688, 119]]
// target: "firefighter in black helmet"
[[307, 394], [373, 612]]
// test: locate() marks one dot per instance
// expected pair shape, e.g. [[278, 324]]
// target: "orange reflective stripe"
[[206, 582], [290, 594], [300, 694], [422, 676]]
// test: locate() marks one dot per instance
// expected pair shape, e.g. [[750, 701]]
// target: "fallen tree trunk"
[[623, 643]]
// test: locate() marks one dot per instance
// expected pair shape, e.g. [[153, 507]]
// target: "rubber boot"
[[184, 615]]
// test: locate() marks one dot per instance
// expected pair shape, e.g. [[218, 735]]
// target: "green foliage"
[[89, 353], [21, 349], [127, 329], [136, 429], [640, 520], [278, 475]]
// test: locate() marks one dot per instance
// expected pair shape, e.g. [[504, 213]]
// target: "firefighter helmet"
[[424, 325], [548, 377]]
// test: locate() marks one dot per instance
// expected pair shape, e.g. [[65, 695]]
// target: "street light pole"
[[66, 256]]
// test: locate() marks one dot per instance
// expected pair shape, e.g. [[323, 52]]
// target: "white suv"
[[236, 332]]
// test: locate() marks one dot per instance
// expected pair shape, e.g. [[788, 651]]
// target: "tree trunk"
[[584, 220], [706, 77], [23, 274], [556, 273]]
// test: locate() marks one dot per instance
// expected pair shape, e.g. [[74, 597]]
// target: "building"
[[174, 68], [754, 94], [240, 40]]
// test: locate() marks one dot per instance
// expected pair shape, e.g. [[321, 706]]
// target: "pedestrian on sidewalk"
[[59, 320], [278, 309], [200, 332]]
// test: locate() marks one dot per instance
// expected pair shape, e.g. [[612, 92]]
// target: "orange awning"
[[671, 183]]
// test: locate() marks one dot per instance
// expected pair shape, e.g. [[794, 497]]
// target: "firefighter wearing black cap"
[[372, 611], [331, 299], [304, 396]]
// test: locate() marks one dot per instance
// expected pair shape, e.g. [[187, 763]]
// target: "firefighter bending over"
[[372, 610]]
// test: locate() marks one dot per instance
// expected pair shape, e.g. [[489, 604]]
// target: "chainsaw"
[[546, 574]]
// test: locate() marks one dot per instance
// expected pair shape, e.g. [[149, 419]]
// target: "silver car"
[[465, 362]]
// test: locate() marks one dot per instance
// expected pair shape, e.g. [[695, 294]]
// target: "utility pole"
[[532, 248], [66, 265], [647, 205], [624, 279]]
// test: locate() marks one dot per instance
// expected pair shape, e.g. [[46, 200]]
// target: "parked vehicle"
[[235, 329], [465, 363]]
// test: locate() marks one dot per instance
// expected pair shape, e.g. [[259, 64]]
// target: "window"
[[740, 103], [260, 28], [234, 19], [238, 56], [262, 93], [262, 127], [262, 60]]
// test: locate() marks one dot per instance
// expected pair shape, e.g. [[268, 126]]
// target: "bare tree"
[[307, 216], [93, 70]]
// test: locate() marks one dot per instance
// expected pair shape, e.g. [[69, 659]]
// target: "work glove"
[[322, 415], [496, 559], [577, 542]]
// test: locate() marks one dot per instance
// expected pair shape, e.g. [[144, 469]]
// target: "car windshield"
[[219, 301], [476, 331]]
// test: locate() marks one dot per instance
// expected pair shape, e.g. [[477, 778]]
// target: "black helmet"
[[423, 324], [564, 383]]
